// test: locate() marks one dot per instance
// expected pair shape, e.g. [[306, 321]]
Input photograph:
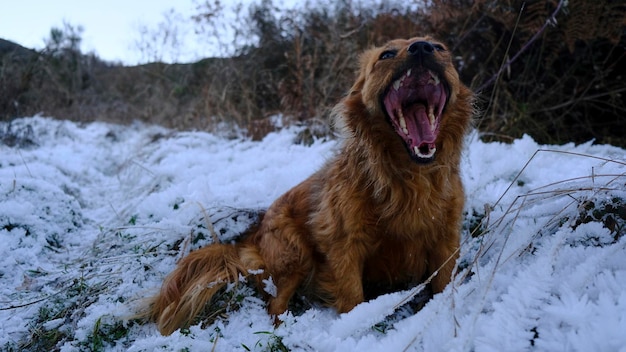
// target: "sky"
[[111, 27]]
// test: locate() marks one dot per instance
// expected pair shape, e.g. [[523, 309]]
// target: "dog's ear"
[[359, 83], [357, 87]]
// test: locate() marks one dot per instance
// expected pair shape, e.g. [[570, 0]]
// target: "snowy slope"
[[93, 216]]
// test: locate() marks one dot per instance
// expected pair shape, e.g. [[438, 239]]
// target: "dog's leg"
[[288, 261], [444, 260], [341, 278], [285, 289], [444, 254], [286, 277]]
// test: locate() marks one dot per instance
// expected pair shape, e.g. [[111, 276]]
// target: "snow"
[[94, 215]]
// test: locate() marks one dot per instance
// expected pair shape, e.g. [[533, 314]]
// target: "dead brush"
[[541, 68], [550, 69], [578, 195]]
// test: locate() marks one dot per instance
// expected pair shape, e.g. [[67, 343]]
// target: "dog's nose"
[[421, 48]]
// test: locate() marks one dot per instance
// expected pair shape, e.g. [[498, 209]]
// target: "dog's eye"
[[439, 47], [388, 54]]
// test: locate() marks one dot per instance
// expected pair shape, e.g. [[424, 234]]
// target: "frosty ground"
[[93, 216]]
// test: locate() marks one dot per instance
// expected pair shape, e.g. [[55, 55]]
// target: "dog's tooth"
[[434, 79], [396, 84], [408, 72], [416, 150], [431, 117], [402, 122]]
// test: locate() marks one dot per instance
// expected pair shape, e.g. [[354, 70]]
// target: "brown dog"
[[385, 211]]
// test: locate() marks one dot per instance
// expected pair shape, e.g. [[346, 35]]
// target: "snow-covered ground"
[[93, 216]]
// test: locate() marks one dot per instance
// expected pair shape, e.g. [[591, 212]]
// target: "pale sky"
[[110, 27]]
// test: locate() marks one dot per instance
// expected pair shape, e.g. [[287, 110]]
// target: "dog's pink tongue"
[[418, 124]]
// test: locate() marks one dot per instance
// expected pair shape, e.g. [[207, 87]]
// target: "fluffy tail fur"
[[197, 278]]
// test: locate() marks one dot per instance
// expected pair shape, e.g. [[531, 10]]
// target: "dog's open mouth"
[[414, 103]]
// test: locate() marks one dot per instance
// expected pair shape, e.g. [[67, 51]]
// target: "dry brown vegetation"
[[551, 69]]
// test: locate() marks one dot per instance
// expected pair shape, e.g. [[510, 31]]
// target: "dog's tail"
[[197, 278]]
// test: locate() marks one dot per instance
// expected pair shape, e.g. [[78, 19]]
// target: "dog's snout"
[[421, 48]]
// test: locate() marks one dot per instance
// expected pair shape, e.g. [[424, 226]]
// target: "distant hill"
[[69, 85], [10, 48]]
